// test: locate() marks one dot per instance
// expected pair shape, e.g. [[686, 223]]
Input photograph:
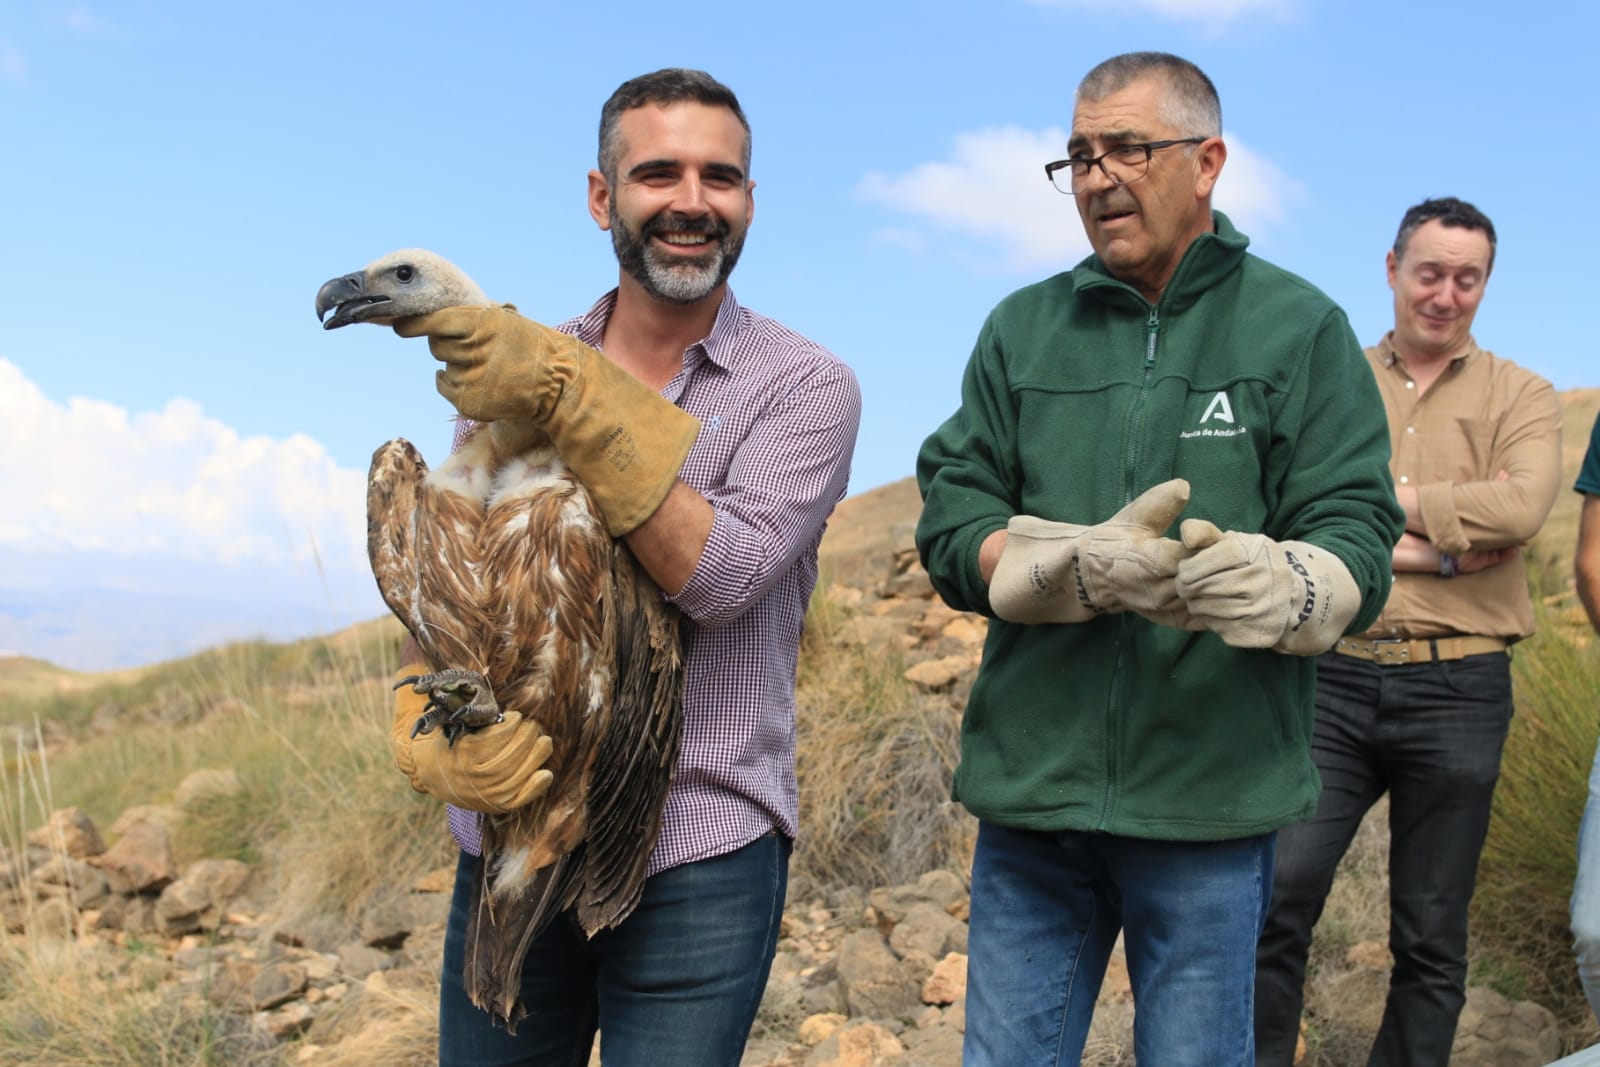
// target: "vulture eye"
[[405, 274]]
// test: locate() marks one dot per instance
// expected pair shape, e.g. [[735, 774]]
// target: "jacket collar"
[[1207, 260]]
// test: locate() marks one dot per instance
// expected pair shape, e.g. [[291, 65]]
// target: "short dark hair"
[[669, 86], [1190, 103], [1450, 211]]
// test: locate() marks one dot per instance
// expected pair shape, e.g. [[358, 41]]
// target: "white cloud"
[[106, 508], [175, 482], [993, 191], [1191, 10]]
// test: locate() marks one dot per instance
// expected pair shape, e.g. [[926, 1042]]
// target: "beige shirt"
[[1482, 416]]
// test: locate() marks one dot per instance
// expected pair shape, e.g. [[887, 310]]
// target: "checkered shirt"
[[778, 418]]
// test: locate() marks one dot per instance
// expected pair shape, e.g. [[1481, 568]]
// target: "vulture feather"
[[501, 568]]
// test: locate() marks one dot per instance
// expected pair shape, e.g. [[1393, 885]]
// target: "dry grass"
[[875, 762], [332, 829]]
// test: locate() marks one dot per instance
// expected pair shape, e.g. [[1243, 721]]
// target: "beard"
[[670, 278]]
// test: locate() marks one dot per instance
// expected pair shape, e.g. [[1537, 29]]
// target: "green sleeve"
[[1329, 466], [968, 473]]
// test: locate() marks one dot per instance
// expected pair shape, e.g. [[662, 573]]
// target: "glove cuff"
[[1324, 601], [624, 441]]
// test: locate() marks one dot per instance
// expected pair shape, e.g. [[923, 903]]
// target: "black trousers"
[[1431, 735]]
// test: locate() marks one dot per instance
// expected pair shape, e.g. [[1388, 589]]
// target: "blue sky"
[[183, 450]]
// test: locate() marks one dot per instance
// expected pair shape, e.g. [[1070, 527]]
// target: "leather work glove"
[[1062, 572], [1255, 592], [495, 769], [624, 441]]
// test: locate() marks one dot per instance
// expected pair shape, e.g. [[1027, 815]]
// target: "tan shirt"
[[1482, 416]]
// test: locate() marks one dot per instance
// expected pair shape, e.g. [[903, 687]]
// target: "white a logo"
[[1219, 408]]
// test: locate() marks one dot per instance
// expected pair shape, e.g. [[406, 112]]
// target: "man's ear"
[[599, 200], [1209, 160]]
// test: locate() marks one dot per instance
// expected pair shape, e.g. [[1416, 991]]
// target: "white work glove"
[[1062, 572], [1255, 592]]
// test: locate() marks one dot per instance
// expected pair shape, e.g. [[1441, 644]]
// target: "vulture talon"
[[460, 700]]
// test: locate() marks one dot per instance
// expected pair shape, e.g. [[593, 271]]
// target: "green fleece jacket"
[[1248, 382]]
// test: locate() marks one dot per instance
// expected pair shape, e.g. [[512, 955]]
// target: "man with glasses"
[[1138, 728], [1419, 704]]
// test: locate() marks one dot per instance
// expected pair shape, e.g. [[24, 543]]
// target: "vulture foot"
[[458, 701]]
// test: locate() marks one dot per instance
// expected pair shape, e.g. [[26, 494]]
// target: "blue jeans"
[[1046, 909], [677, 984], [1430, 734], [1586, 894]]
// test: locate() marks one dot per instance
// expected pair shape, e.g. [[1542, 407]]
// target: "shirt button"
[[1411, 385], [1411, 429], [1404, 479]]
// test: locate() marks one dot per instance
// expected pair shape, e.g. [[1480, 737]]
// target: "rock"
[[195, 901], [940, 888], [141, 860], [948, 982], [858, 1044], [51, 920], [181, 908], [935, 675], [360, 961], [442, 880], [385, 927], [818, 1028], [937, 1046], [86, 886], [287, 1022], [875, 986], [164, 814], [928, 928], [208, 783], [246, 985], [1496, 1032], [69, 831]]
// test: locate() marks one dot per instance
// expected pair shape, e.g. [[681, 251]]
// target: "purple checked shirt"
[[778, 417]]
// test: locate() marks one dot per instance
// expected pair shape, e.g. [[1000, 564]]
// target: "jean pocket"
[[1485, 678]]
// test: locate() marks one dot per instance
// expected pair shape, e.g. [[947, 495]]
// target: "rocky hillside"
[[106, 918], [865, 975]]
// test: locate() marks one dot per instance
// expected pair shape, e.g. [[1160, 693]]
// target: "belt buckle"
[[1391, 650]]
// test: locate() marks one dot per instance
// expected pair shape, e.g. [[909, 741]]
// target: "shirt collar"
[[1390, 356], [718, 345]]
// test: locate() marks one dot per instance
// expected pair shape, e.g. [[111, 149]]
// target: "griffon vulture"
[[502, 570]]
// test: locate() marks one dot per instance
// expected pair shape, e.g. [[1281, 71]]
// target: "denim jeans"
[[1046, 909], [677, 984], [1586, 894], [1430, 734]]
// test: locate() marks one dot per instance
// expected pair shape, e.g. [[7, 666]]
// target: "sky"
[[183, 451]]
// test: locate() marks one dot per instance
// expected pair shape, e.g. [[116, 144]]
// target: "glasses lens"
[[1128, 163]]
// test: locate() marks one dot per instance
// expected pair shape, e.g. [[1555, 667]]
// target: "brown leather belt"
[[1392, 651]]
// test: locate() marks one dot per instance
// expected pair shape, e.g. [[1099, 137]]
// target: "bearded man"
[[730, 535]]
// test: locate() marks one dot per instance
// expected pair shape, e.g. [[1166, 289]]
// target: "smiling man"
[[1419, 704], [722, 453], [1138, 727]]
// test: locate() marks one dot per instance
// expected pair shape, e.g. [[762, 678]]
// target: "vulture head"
[[412, 281]]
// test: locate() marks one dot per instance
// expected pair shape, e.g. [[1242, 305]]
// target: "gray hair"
[[1188, 100], [670, 86]]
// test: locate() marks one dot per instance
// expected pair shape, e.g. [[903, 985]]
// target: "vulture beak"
[[349, 300]]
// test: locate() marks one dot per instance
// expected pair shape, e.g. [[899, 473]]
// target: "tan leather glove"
[[1062, 572], [1255, 592], [625, 442], [496, 769]]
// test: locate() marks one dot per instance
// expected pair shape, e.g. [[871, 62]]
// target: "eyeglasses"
[[1123, 165]]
